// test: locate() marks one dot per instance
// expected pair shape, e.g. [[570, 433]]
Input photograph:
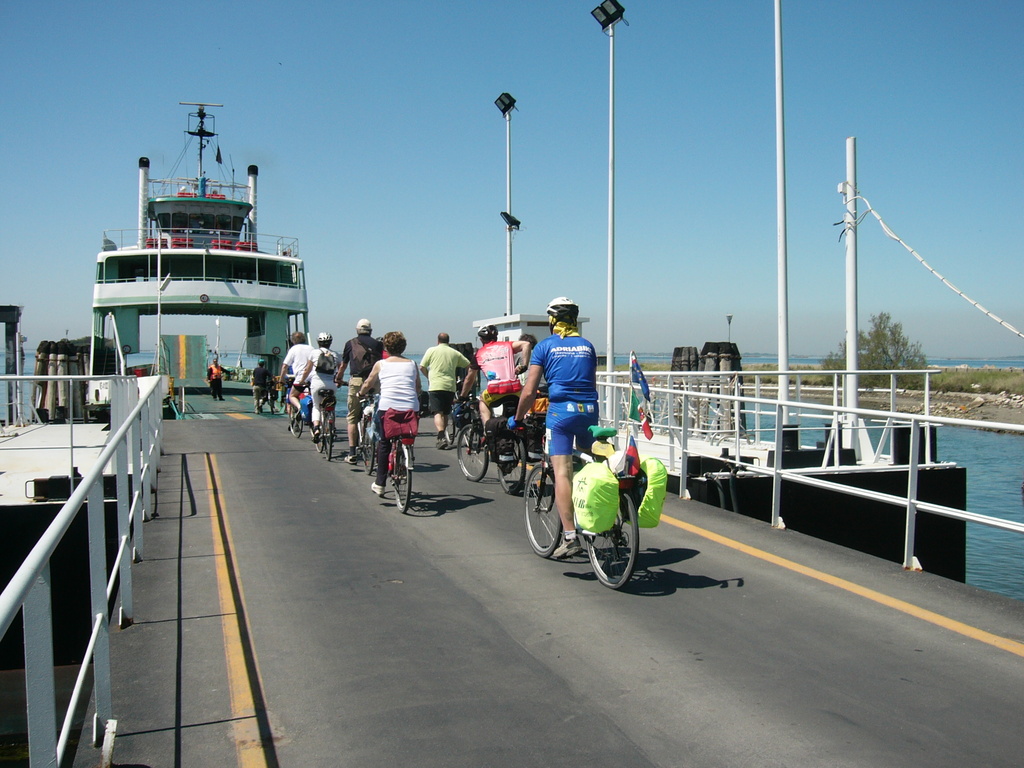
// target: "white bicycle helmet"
[[324, 339], [563, 309]]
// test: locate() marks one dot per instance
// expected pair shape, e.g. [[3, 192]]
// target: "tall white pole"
[[610, 359], [508, 208], [780, 153], [159, 301], [852, 397]]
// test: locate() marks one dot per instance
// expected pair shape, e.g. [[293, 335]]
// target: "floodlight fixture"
[[505, 103], [608, 12], [511, 221]]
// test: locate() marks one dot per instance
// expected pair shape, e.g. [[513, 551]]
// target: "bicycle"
[[612, 553], [368, 435], [526, 446], [457, 419], [328, 433], [297, 418], [470, 444], [400, 465]]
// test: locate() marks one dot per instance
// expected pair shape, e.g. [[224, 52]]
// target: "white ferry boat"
[[197, 251]]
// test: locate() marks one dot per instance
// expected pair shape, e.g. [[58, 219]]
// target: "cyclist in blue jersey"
[[568, 363]]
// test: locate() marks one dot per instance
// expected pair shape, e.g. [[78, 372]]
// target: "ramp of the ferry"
[[286, 616]]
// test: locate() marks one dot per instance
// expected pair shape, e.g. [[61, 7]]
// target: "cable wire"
[[892, 235]]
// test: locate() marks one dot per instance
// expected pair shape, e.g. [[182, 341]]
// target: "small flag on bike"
[[645, 424], [632, 458], [637, 376]]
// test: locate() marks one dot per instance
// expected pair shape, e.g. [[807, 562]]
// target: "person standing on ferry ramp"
[[215, 378]]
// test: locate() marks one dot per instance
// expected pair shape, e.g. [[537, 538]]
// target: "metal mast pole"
[[780, 152], [508, 208], [851, 394], [610, 359]]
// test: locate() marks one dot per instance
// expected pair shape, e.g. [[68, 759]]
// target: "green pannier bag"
[[649, 514], [595, 497]]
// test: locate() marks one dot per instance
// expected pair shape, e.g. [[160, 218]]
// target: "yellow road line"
[[239, 415], [248, 742], [910, 609]]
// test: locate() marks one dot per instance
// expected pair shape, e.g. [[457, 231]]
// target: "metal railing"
[[261, 244], [132, 454], [705, 413]]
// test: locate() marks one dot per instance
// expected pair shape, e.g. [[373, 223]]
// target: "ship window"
[[179, 220], [238, 221], [224, 222], [256, 326], [165, 221], [183, 267], [217, 268], [200, 221]]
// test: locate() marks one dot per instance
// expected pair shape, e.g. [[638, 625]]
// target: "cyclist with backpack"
[[360, 354], [320, 372]]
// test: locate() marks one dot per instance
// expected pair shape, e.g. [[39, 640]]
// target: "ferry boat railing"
[[132, 454], [212, 239], [900, 441]]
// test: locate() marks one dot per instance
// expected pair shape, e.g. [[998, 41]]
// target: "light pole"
[[728, 320], [506, 104], [608, 14]]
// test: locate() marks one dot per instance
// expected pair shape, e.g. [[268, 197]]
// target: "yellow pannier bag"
[[595, 497], [649, 514]]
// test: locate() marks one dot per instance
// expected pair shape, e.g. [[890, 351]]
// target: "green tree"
[[882, 348]]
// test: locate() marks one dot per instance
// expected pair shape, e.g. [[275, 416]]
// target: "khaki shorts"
[[355, 410]]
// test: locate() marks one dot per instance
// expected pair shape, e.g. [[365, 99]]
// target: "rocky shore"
[[1004, 408]]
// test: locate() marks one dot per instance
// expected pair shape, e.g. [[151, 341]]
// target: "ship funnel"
[[143, 198], [254, 171]]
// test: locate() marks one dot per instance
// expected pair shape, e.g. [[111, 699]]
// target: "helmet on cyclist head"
[[488, 334], [563, 310], [324, 339], [364, 326]]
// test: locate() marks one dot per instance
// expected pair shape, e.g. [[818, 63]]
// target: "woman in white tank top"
[[399, 381]]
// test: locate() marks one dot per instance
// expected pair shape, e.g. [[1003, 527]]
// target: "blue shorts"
[[569, 422]]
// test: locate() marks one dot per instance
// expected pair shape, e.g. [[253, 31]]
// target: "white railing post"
[[124, 534], [777, 470], [684, 456], [40, 691], [98, 595], [909, 561]]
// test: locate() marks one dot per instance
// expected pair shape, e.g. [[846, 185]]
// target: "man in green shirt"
[[439, 365]]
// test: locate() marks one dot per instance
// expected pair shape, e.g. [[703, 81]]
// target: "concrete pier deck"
[[286, 616]]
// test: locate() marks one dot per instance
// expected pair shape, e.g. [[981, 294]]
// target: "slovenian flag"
[[632, 458]]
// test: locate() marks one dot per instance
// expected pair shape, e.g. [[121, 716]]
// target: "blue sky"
[[380, 148]]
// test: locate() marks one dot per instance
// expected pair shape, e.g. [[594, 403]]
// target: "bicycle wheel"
[[543, 526], [401, 475], [368, 449], [328, 439], [450, 433], [613, 553], [511, 474], [472, 452], [296, 424]]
